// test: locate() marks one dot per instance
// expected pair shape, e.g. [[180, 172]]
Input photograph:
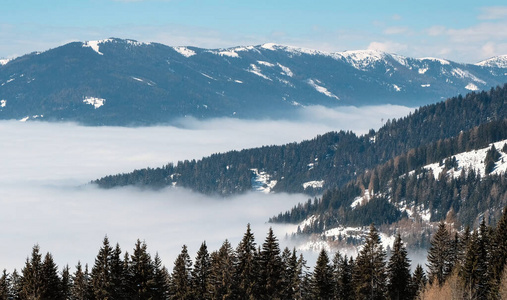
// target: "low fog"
[[45, 197]]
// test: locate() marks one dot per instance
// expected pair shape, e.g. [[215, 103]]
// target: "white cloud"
[[45, 199], [493, 13], [396, 30]]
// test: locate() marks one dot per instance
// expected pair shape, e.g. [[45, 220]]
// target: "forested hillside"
[[328, 161], [405, 188], [467, 265]]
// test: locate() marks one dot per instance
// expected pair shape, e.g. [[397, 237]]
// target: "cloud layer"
[[45, 199]]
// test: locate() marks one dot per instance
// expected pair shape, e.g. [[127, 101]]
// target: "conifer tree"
[[287, 274], [31, 281], [398, 272], [16, 285], [141, 271], [270, 268], [337, 273], [160, 289], [345, 280], [322, 281], [419, 281], [246, 270], [223, 263], [370, 268], [438, 256], [81, 284], [4, 286], [181, 278], [118, 272], [201, 273], [101, 272], [66, 283], [51, 282]]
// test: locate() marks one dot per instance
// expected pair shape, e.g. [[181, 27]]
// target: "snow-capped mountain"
[[121, 82]]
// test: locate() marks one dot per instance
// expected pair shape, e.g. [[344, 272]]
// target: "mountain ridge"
[[125, 82]]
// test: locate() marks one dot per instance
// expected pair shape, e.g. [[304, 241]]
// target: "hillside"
[[124, 82], [327, 161]]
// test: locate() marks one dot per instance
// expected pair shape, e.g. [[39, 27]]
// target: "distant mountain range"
[[125, 82]]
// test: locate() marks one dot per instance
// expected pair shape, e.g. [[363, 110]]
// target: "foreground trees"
[[469, 265]]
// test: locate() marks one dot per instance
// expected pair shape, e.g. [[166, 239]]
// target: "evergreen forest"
[[470, 264]]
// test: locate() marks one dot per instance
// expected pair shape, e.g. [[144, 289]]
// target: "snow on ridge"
[[497, 61], [457, 72], [95, 45], [96, 102], [475, 160], [4, 61], [322, 89], [184, 51], [314, 184], [360, 59], [441, 61]]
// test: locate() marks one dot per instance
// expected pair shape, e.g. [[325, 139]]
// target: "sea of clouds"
[[46, 198]]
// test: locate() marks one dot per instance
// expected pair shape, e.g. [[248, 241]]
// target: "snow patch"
[[473, 159], [361, 59], [441, 61], [207, 76], [314, 184], [265, 63], [238, 81], [262, 182], [255, 70], [396, 88], [4, 61], [422, 71], [95, 45], [425, 85], [321, 89], [457, 72], [286, 71], [471, 87], [96, 102], [184, 51], [24, 119], [3, 103], [360, 200]]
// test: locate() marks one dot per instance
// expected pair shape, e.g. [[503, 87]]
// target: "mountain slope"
[[329, 160], [124, 82]]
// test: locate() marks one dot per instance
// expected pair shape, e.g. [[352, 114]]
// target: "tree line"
[[335, 157], [461, 265]]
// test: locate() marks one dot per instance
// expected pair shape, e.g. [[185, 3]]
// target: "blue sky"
[[463, 31]]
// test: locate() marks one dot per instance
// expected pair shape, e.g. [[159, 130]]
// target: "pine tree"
[[4, 286], [160, 280], [66, 283], [181, 278], [345, 279], [201, 273], [370, 268], [101, 272], [246, 270], [81, 284], [221, 281], [51, 282], [322, 281], [438, 256], [141, 271], [118, 280], [418, 281], [31, 281], [16, 285], [398, 271], [337, 274], [270, 268]]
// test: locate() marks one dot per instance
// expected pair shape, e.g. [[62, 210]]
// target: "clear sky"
[[463, 31]]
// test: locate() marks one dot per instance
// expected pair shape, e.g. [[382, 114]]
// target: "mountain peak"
[[497, 61]]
